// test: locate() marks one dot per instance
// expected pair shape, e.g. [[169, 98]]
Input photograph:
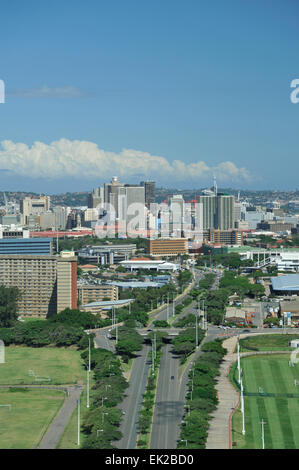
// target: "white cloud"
[[65, 158], [47, 92]]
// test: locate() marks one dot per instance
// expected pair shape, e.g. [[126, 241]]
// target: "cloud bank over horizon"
[[83, 159], [48, 92]]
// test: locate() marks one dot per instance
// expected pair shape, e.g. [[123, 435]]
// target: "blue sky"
[[175, 91]]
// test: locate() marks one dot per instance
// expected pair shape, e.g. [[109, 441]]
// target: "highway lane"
[[131, 405], [168, 409], [170, 399]]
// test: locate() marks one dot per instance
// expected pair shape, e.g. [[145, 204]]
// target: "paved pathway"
[[219, 430], [56, 428]]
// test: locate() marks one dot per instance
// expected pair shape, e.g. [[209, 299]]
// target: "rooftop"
[[286, 282]]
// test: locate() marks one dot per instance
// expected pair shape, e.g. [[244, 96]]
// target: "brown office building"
[[94, 293], [224, 237], [167, 247], [48, 283]]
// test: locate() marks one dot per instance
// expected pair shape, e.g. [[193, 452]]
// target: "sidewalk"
[[219, 430]]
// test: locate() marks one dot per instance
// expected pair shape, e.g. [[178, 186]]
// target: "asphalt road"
[[168, 407], [170, 399], [131, 405]]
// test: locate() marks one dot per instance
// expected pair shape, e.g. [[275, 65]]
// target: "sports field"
[[32, 411], [23, 426], [61, 365], [272, 397]]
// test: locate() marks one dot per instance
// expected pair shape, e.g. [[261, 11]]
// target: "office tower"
[[208, 210], [134, 194], [224, 212], [218, 211], [47, 220], [150, 191], [60, 217], [91, 214], [111, 193], [96, 198], [48, 283], [33, 206], [237, 211], [177, 212]]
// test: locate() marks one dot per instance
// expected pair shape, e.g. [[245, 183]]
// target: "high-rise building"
[[218, 211], [48, 283], [96, 198], [60, 217], [177, 212], [150, 191], [111, 193], [225, 212], [208, 210], [34, 206], [134, 194]]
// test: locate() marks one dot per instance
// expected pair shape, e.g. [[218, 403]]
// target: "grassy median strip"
[[146, 413], [202, 398]]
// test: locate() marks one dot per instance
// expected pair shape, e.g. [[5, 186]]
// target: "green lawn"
[[31, 413], [33, 410], [63, 366], [275, 342], [273, 375]]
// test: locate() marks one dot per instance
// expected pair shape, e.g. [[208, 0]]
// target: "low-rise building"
[[167, 246], [156, 265], [97, 293], [105, 306]]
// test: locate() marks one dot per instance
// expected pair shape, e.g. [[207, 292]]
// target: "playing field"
[[273, 397], [274, 342], [31, 412], [61, 365]]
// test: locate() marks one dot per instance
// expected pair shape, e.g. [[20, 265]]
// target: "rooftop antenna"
[[215, 186]]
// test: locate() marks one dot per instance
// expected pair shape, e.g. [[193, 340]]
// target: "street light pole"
[[263, 433], [89, 361], [78, 402], [167, 307], [87, 383], [239, 366], [242, 409]]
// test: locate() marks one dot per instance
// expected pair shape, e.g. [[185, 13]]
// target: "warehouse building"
[[285, 285]]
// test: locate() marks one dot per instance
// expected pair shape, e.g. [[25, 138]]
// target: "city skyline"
[[157, 91]]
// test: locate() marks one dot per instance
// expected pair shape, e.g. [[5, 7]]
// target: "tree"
[[9, 298]]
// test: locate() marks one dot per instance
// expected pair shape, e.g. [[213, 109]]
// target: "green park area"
[[271, 395], [31, 411]]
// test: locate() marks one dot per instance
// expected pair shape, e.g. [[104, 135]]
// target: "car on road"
[[172, 377], [246, 331]]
